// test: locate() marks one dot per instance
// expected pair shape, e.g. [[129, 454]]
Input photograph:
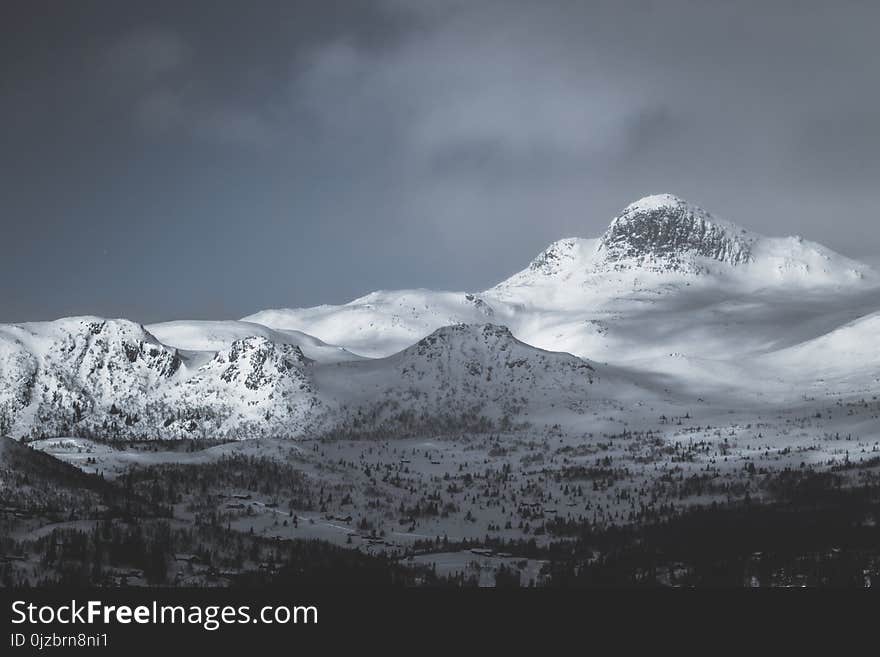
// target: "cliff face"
[[665, 233]]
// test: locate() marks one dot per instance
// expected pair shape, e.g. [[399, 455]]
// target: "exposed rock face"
[[664, 233], [255, 363]]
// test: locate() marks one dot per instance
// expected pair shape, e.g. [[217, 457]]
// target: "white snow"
[[212, 336], [684, 307]]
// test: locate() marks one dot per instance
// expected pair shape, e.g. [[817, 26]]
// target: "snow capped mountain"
[[665, 244], [66, 369], [660, 304], [113, 378], [468, 376], [254, 387], [602, 298], [665, 233]]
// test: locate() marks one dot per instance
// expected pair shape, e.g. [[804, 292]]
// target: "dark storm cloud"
[[209, 159]]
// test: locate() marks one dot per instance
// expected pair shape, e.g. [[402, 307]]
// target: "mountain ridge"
[[568, 295], [665, 294]]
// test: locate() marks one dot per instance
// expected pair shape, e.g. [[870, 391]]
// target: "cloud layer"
[[307, 152]]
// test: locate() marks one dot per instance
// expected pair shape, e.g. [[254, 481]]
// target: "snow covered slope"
[[664, 244], [633, 293], [212, 336], [470, 376], [669, 304], [113, 379], [381, 323], [92, 376], [846, 351]]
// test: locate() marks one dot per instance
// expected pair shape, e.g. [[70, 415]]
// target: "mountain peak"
[[491, 334], [655, 202], [486, 351], [664, 232]]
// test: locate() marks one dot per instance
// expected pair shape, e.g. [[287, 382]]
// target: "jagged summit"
[[112, 378], [664, 232], [665, 244], [659, 233]]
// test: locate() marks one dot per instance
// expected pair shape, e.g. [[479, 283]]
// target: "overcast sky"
[[192, 159]]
